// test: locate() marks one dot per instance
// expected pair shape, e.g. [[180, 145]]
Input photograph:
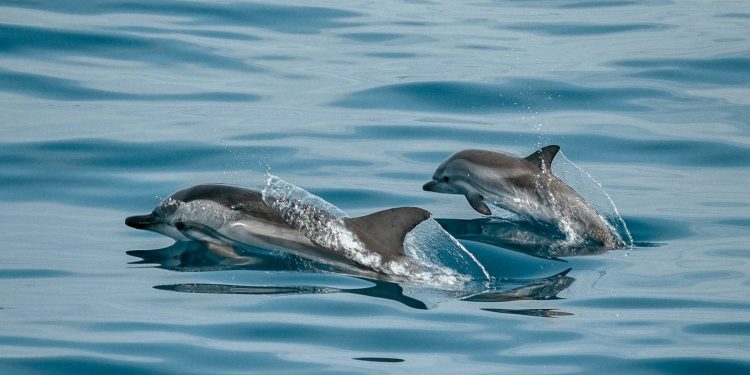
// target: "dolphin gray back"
[[247, 201], [484, 158], [383, 232]]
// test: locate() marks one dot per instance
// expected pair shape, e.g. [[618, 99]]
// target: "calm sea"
[[106, 107]]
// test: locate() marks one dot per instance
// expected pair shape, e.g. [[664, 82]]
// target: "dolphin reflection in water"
[[192, 256]]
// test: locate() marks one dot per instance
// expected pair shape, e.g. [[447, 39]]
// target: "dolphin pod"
[[221, 216]]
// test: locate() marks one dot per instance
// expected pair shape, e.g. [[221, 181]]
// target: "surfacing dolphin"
[[223, 215], [525, 186]]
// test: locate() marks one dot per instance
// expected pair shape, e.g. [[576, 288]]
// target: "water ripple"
[[54, 88], [583, 29], [16, 39], [718, 71], [35, 171], [281, 18], [532, 95]]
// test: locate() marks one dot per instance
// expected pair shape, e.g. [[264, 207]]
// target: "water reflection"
[[196, 257], [535, 239]]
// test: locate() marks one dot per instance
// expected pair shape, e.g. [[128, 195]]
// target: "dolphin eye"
[[445, 179]]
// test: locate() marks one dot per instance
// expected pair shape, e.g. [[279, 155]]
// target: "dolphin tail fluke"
[[542, 158], [384, 231]]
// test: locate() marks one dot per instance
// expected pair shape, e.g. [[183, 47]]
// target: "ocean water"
[[107, 107]]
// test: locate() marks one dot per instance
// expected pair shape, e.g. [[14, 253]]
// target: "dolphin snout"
[[440, 187], [430, 186], [141, 221]]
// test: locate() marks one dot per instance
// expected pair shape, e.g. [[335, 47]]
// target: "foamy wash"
[[403, 244]]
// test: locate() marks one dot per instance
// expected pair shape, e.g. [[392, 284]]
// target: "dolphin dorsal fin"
[[542, 158], [384, 231]]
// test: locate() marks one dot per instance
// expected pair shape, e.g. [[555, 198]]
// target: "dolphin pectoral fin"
[[477, 202], [384, 231], [542, 158]]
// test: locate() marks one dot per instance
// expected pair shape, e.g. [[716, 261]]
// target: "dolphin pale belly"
[[524, 186], [223, 215]]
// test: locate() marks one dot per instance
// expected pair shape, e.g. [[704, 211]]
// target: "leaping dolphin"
[[224, 215], [525, 186]]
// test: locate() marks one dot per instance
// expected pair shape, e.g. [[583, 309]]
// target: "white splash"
[[600, 208]]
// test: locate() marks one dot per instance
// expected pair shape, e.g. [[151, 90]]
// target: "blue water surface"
[[106, 107]]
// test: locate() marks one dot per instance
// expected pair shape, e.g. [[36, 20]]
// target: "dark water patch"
[[53, 88], [737, 15], [647, 303], [599, 4], [539, 277], [542, 313], [718, 71], [85, 190], [75, 365], [276, 58], [32, 274], [721, 329], [533, 95], [684, 366], [372, 37], [587, 363], [657, 229], [739, 222], [280, 18], [646, 244], [379, 359], [94, 154], [583, 29], [16, 39], [724, 204], [391, 55], [217, 34]]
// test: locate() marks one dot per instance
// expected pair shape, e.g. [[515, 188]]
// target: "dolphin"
[[525, 186], [223, 215]]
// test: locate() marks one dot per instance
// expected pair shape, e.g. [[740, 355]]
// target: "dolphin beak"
[[142, 221], [440, 187], [430, 186]]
